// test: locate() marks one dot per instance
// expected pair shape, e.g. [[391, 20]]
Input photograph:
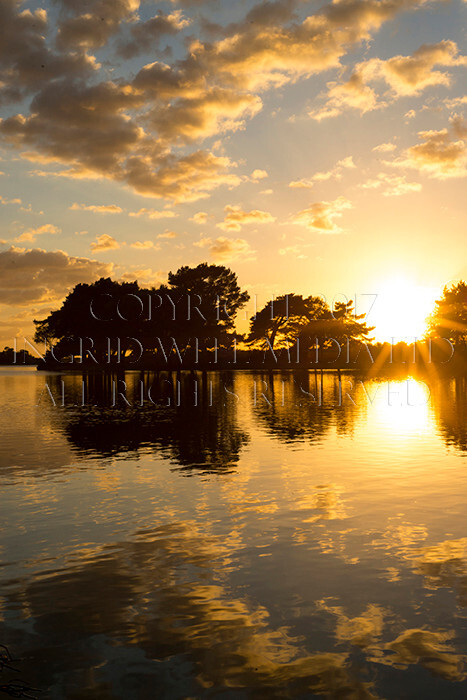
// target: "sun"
[[400, 310]]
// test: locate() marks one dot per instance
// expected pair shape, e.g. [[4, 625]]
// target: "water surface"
[[234, 535]]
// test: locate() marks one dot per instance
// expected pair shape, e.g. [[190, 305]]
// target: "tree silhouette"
[[281, 319], [330, 333], [291, 320], [91, 314], [8, 356], [108, 320], [449, 318], [210, 297]]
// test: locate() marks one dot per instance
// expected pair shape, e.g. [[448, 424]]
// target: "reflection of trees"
[[196, 429], [302, 406], [449, 399], [133, 621]]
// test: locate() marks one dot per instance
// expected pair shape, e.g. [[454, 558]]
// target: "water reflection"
[[228, 639], [298, 406], [322, 553], [450, 405], [444, 565], [189, 418]]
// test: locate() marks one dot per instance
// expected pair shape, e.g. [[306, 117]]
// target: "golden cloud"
[[258, 175], [384, 148], [128, 131], [321, 216], [217, 110], [335, 173], [153, 213], [200, 217], [31, 233], [354, 93], [294, 250], [235, 218], [185, 179], [97, 209], [392, 185], [104, 242], [144, 245], [225, 250], [403, 75], [439, 155], [167, 234], [5, 200]]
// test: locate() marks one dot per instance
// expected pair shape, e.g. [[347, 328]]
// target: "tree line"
[[190, 323]]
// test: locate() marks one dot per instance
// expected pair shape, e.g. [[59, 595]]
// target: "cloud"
[[4, 200], [30, 210], [225, 250], [454, 102], [145, 276], [104, 242], [130, 131], [161, 82], [409, 75], [321, 216], [335, 173], [354, 94], [39, 276], [256, 58], [97, 209], [85, 128], [31, 233], [236, 218], [216, 110], [439, 155], [392, 185], [264, 14], [294, 250], [185, 179], [153, 213], [94, 27], [167, 234], [81, 126], [146, 35], [384, 148], [25, 59], [144, 245], [258, 175], [200, 217], [459, 126], [402, 75]]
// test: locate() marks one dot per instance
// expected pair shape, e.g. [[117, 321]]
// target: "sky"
[[312, 147]]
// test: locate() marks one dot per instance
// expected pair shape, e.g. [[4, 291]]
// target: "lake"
[[234, 535]]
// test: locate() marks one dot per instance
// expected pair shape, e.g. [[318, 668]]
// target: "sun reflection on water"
[[403, 410]]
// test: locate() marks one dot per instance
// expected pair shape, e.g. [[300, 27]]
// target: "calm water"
[[235, 535]]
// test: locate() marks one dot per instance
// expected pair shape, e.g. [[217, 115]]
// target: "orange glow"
[[401, 309]]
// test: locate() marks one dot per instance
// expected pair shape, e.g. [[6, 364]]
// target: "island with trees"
[[189, 323]]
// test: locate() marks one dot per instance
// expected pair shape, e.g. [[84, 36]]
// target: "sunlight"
[[403, 410], [401, 309]]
